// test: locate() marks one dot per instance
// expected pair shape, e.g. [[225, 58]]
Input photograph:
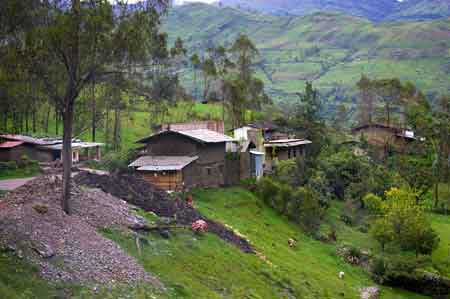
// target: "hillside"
[[331, 49], [374, 10]]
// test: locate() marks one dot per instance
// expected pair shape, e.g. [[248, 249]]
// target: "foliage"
[[373, 203], [119, 161], [21, 169], [405, 222]]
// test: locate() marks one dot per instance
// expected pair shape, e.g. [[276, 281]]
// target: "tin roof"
[[162, 163], [286, 143], [10, 144], [200, 135]]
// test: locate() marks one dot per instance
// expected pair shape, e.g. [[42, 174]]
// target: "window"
[[208, 171], [295, 152]]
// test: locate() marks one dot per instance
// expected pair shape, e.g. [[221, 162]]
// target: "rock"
[[165, 234], [44, 251], [370, 293]]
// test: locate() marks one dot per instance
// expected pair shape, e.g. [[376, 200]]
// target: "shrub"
[[9, 165], [119, 161], [250, 184], [268, 190], [311, 213], [373, 203]]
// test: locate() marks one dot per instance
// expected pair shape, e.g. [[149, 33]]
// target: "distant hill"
[[331, 49], [379, 10]]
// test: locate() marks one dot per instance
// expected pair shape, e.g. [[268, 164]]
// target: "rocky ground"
[[136, 191], [70, 248]]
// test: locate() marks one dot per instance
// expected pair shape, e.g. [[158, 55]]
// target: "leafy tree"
[[59, 48], [244, 52], [196, 64], [209, 72], [406, 221]]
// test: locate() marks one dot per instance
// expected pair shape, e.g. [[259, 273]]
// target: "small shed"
[[167, 172]]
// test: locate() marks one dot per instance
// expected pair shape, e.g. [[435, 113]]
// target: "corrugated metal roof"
[[75, 145], [207, 136], [161, 163], [287, 143], [200, 135], [10, 144]]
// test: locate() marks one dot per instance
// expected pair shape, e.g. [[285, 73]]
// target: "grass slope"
[[331, 49], [207, 267]]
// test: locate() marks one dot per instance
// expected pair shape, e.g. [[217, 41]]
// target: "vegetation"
[[207, 267], [332, 50], [25, 168]]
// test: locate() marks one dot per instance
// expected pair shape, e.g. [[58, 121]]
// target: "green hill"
[[331, 49]]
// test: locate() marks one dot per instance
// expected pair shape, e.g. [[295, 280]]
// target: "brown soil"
[[135, 190], [69, 248]]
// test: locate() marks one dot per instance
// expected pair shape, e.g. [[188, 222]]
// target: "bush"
[[250, 184], [268, 190], [9, 165], [119, 161], [373, 203]]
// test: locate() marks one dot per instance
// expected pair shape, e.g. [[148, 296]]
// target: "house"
[[251, 150], [14, 147], [383, 135], [181, 159], [283, 149]]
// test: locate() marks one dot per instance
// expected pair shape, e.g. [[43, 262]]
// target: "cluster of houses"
[[15, 147], [200, 154], [181, 156]]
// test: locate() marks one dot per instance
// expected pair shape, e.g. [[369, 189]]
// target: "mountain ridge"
[[330, 49], [380, 10]]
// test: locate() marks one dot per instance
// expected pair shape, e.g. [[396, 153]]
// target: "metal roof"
[[75, 145], [200, 135], [287, 143], [162, 163], [29, 139], [10, 144]]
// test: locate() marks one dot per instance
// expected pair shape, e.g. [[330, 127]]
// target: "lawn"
[[19, 280], [206, 267], [18, 173]]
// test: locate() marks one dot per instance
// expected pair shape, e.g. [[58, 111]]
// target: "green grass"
[[20, 280], [207, 267], [347, 47], [19, 173]]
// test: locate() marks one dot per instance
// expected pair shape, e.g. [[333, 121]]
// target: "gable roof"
[[162, 163], [201, 135]]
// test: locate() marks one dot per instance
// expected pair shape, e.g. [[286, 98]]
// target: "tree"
[[60, 50], [244, 52], [209, 72], [366, 106], [381, 231], [196, 64], [404, 221]]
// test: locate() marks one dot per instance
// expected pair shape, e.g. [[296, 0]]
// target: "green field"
[[207, 267], [204, 266]]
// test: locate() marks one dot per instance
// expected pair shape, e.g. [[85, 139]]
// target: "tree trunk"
[[56, 122], [33, 117], [116, 137], [67, 157], [94, 112]]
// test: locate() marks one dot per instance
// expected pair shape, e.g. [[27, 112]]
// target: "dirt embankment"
[[135, 190], [69, 248]]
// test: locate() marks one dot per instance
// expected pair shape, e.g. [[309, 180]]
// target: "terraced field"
[[331, 49]]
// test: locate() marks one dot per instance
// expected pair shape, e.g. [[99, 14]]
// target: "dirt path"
[[12, 184]]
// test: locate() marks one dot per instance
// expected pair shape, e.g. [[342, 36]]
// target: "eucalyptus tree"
[[68, 43]]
